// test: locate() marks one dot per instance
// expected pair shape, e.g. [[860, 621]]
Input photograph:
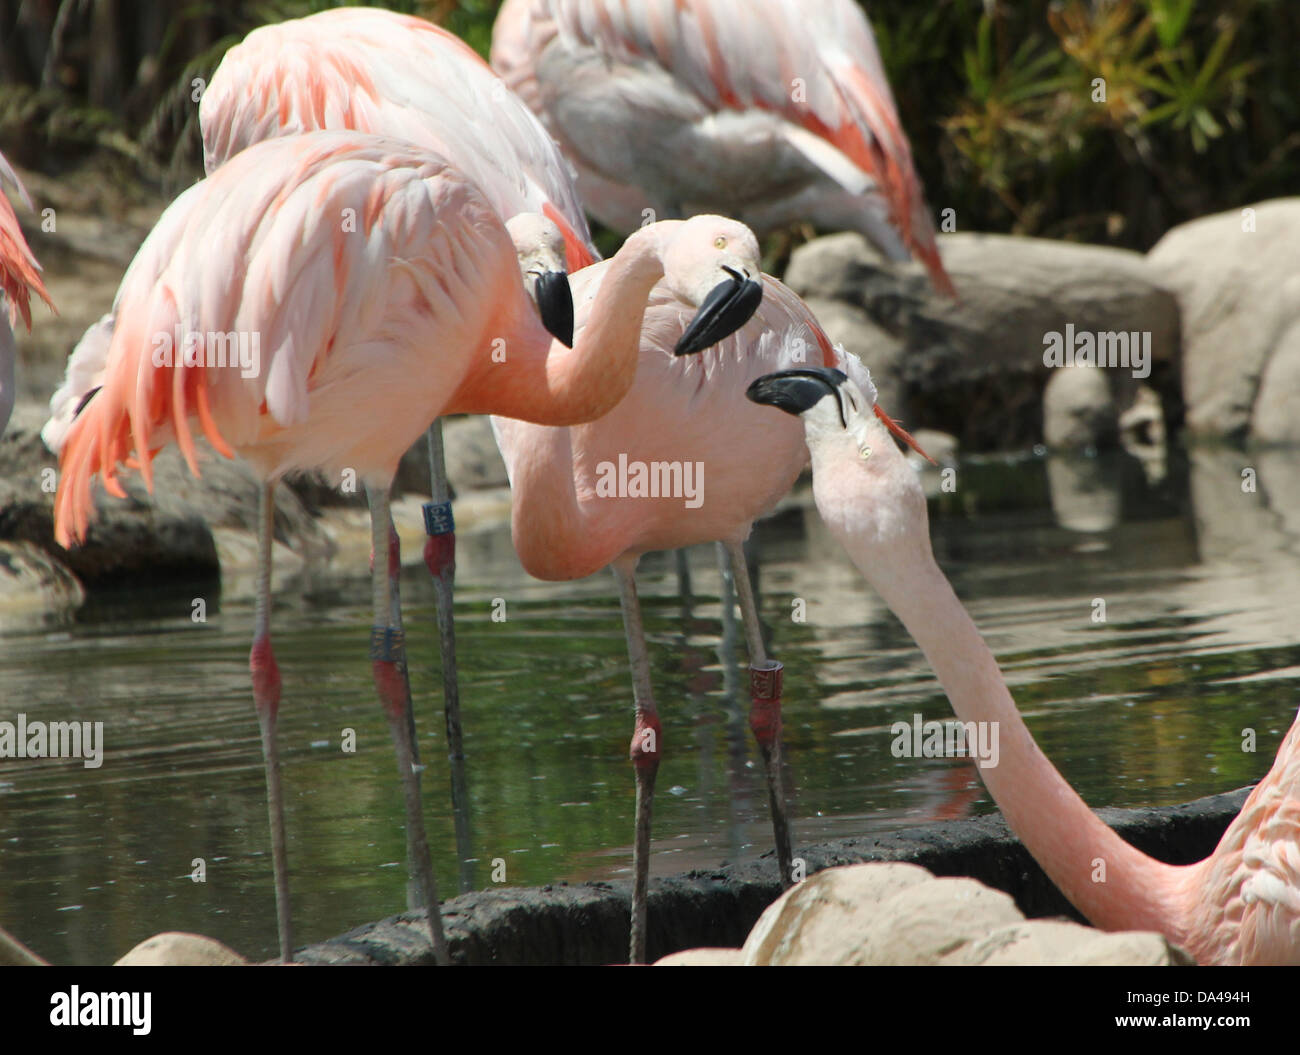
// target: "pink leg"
[[765, 677], [647, 744], [388, 665], [266, 697]]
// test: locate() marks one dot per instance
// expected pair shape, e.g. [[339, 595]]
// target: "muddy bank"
[[587, 923]]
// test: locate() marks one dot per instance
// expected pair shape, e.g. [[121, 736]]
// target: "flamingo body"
[[377, 71], [678, 412], [774, 111]]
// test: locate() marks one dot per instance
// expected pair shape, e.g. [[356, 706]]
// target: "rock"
[[976, 366], [473, 461], [1042, 942], [1238, 291], [702, 958], [33, 583], [1079, 409], [164, 535], [1276, 415], [808, 923], [178, 949], [895, 914]]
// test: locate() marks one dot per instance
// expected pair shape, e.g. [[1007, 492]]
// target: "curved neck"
[[537, 379], [1114, 885], [555, 534]]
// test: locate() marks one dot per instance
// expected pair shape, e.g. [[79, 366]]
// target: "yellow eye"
[[720, 242]]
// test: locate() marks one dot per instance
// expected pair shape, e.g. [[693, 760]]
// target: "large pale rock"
[[179, 949], [1238, 291], [1277, 408], [975, 366], [894, 914], [1042, 942], [702, 958]]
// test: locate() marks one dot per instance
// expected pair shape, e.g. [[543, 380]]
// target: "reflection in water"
[[1199, 576]]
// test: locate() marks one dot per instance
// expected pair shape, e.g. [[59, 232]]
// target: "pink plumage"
[[774, 111]]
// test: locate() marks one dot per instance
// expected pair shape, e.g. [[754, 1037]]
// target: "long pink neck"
[[1114, 885], [541, 381], [557, 535]]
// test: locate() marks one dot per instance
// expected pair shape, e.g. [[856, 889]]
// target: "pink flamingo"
[[1240, 905], [371, 70], [377, 284], [774, 111], [688, 417], [20, 277]]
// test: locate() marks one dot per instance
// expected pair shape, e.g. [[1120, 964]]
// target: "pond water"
[[1201, 581]]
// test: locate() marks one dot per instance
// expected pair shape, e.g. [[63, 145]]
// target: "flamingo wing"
[[342, 258], [394, 75], [616, 81]]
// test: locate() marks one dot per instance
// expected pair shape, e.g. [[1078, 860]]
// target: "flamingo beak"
[[555, 303], [796, 391], [729, 305]]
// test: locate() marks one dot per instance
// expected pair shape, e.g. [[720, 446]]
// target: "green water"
[[1201, 583]]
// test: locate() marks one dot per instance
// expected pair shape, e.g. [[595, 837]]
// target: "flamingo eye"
[[720, 242], [865, 451]]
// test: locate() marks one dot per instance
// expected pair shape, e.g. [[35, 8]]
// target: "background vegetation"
[[999, 98]]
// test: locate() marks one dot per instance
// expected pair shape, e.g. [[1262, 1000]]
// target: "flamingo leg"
[[266, 697], [440, 559], [765, 710], [388, 664], [644, 753]]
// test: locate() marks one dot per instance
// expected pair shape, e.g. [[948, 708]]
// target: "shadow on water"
[[1197, 572]]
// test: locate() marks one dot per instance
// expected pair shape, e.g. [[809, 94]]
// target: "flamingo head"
[[539, 244], [713, 263], [867, 493]]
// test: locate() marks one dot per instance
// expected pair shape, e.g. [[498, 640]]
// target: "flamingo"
[[20, 277], [774, 111], [379, 284], [683, 414], [1241, 905], [372, 70]]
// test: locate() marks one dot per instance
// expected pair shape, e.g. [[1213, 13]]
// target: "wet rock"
[[164, 535], [588, 923], [976, 366], [178, 949], [34, 584], [1236, 276]]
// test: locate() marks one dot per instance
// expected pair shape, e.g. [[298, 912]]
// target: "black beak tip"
[[555, 304], [729, 305], [794, 391]]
